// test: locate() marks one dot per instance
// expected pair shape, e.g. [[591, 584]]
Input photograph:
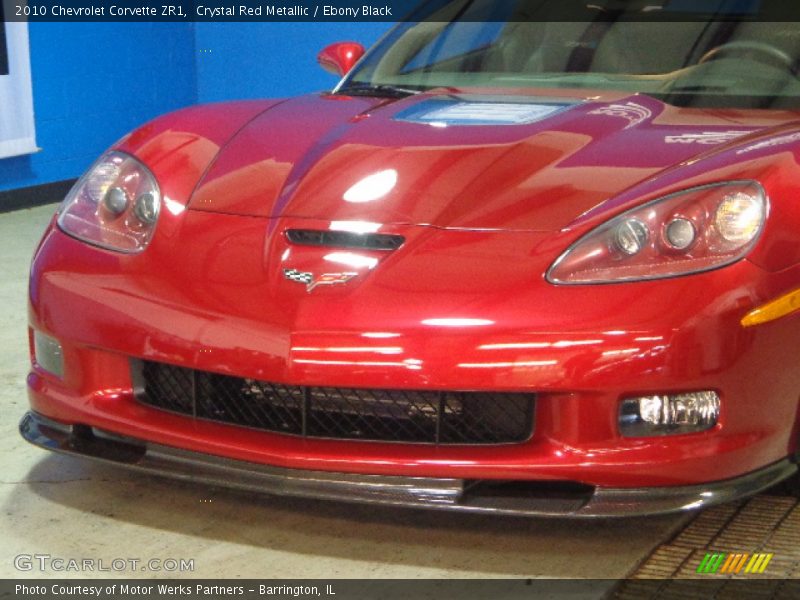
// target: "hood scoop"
[[344, 239], [482, 110]]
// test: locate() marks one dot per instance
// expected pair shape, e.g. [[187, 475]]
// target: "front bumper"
[[413, 492], [420, 324]]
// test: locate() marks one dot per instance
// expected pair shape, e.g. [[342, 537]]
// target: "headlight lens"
[[738, 217], [115, 205], [630, 236], [692, 231]]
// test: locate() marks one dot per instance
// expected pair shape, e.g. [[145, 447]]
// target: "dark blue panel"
[[253, 60], [92, 83]]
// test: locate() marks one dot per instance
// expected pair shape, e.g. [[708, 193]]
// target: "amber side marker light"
[[780, 307]]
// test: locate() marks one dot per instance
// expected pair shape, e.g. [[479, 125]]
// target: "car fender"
[[771, 157], [180, 146]]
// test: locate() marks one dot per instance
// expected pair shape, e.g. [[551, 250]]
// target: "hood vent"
[[344, 239], [482, 110]]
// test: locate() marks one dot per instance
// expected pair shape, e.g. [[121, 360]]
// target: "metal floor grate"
[[719, 554]]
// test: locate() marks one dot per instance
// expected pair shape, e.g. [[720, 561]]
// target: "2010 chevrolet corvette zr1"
[[526, 266]]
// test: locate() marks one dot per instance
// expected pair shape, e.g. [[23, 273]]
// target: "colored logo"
[[324, 279], [734, 563]]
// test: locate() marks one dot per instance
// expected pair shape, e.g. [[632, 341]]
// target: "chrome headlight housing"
[[691, 231], [115, 205]]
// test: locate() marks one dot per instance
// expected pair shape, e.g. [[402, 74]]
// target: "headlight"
[[688, 232], [115, 205]]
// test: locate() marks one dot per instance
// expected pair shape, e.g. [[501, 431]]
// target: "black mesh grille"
[[340, 413]]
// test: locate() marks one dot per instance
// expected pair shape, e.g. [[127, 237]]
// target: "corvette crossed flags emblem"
[[324, 279]]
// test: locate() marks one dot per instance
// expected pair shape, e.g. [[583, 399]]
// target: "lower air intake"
[[432, 417]]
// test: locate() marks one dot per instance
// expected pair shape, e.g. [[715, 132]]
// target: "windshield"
[[669, 49]]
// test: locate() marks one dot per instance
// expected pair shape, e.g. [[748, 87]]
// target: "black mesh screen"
[[341, 413], [345, 239]]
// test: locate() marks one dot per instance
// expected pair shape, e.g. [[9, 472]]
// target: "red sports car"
[[520, 265]]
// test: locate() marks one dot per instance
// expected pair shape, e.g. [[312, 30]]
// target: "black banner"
[[3, 44], [393, 589], [398, 10]]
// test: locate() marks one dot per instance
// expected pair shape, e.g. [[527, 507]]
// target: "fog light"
[[47, 353], [669, 415]]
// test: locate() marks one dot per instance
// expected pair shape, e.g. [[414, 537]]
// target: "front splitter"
[[414, 492]]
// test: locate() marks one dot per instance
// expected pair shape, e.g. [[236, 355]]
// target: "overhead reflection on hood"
[[372, 187]]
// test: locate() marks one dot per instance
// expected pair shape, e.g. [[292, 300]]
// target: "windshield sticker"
[[443, 113]]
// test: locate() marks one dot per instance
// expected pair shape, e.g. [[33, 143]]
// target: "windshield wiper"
[[381, 90]]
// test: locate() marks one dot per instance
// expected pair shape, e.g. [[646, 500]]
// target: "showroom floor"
[[68, 508]]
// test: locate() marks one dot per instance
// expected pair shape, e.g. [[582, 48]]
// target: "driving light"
[[680, 233], [99, 210], [630, 236], [669, 414], [116, 201], [692, 231], [146, 208]]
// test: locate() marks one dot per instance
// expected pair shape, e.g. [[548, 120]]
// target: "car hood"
[[470, 160]]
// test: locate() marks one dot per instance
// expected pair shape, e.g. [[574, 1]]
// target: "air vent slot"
[[345, 239]]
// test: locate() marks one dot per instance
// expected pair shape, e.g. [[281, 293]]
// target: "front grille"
[[339, 413]]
